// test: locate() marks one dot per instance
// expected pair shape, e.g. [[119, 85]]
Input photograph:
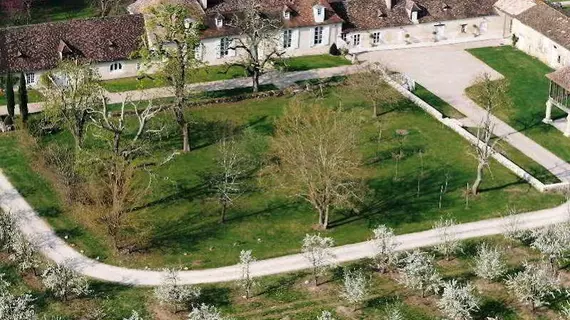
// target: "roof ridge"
[[70, 20]]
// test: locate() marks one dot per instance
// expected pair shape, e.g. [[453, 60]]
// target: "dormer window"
[[319, 13], [446, 7], [219, 21], [287, 12]]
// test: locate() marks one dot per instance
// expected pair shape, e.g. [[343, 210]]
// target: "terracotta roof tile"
[[561, 77], [40, 46], [548, 21], [365, 14]]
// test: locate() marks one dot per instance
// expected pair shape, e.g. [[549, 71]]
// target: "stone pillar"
[[548, 117], [567, 131]]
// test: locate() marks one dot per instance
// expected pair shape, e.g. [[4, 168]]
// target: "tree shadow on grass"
[[216, 296], [495, 308]]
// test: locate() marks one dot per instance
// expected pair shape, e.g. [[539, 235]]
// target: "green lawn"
[[529, 92], [182, 222], [205, 74], [33, 96], [311, 62], [445, 108]]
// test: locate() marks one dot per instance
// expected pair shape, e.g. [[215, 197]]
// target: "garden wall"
[[456, 126]]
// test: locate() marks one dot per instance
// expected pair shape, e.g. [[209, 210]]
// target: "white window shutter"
[[282, 39], [219, 48], [295, 39], [198, 52], [326, 35], [232, 51]]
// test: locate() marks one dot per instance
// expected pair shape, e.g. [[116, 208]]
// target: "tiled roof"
[[548, 21], [561, 77], [374, 14], [301, 14], [40, 46]]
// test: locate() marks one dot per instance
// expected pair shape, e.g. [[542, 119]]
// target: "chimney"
[[390, 4], [204, 4]]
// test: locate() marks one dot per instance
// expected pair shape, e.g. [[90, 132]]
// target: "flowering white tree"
[[489, 262], [7, 230], [355, 287], [385, 244], [246, 281], [512, 228], [325, 315], [15, 307], [63, 282], [449, 244], [134, 316], [553, 242], [171, 293], [23, 253], [533, 285], [318, 251], [418, 272], [458, 301], [205, 312]]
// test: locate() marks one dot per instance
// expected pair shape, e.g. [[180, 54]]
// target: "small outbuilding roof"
[[561, 77]]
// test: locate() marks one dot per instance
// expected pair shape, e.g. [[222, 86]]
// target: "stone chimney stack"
[[390, 4], [204, 4]]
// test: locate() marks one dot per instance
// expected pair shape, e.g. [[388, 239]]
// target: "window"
[[318, 36], [464, 28], [30, 78], [138, 66], [376, 38], [343, 36], [287, 39], [117, 66], [319, 11], [356, 39], [559, 59], [286, 15], [224, 47]]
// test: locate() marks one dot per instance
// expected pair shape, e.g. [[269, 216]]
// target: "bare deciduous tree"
[[491, 95], [372, 82], [231, 167], [71, 93], [317, 250], [258, 39], [173, 44], [106, 7], [318, 158]]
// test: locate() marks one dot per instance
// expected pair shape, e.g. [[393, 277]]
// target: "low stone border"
[[456, 126]]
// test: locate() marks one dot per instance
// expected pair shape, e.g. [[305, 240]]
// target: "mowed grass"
[[529, 92], [445, 108], [205, 74], [33, 96], [182, 222], [304, 63]]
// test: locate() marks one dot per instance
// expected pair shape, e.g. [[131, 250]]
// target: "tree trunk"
[[477, 183], [185, 138], [375, 110], [116, 142], [316, 276], [255, 76], [326, 218], [224, 209]]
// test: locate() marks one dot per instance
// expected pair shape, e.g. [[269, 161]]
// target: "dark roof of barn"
[[40, 46]]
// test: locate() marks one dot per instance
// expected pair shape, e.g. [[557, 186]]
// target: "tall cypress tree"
[[10, 100], [23, 95]]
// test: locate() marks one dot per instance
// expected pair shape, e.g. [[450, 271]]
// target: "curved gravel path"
[[57, 250]]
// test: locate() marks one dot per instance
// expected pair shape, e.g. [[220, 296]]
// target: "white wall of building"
[[537, 45], [121, 69], [301, 44], [427, 33]]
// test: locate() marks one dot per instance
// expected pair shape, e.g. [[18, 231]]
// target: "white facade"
[[106, 70], [443, 32], [295, 42], [538, 45]]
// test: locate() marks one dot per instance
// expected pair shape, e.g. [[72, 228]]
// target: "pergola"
[[559, 95]]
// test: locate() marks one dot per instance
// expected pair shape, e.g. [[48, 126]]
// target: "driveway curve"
[[37, 231]]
